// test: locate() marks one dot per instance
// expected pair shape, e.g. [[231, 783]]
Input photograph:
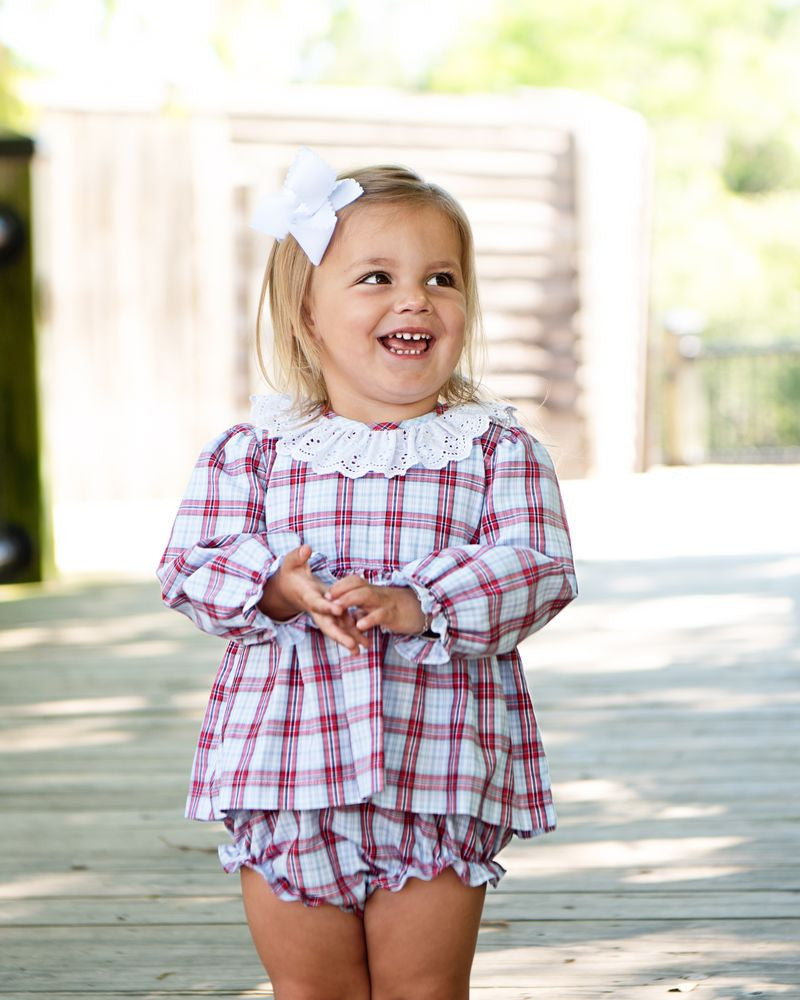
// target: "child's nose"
[[412, 300]]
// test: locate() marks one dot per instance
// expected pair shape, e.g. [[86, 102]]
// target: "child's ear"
[[308, 318]]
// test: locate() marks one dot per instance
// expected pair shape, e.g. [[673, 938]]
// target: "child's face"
[[390, 273]]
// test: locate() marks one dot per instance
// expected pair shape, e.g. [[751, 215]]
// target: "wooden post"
[[684, 411], [22, 548]]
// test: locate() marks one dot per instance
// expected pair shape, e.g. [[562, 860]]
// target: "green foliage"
[[788, 404], [14, 115], [753, 403], [756, 166], [719, 83], [12, 111]]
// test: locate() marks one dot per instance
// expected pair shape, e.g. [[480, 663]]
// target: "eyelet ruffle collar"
[[331, 443]]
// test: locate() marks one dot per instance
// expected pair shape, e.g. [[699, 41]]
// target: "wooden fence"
[[149, 275], [730, 402]]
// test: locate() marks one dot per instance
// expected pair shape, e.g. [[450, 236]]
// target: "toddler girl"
[[373, 544]]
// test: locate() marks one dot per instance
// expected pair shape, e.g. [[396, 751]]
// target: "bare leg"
[[421, 940], [310, 953]]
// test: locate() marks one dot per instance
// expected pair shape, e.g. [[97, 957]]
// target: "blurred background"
[[632, 174]]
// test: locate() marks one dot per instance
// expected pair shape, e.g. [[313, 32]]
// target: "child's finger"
[[371, 620], [347, 625], [318, 603], [344, 586], [297, 557], [355, 634], [350, 642], [330, 607], [360, 639], [359, 597]]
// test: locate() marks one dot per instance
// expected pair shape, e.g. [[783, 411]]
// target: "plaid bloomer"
[[343, 854]]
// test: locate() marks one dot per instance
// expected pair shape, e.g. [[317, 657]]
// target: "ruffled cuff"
[[284, 633], [418, 648]]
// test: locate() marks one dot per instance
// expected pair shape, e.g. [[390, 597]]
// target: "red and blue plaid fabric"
[[342, 855], [428, 726]]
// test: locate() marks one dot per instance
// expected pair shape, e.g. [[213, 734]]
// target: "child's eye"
[[375, 278], [445, 279]]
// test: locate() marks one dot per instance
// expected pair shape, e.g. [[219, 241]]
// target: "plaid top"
[[442, 725]]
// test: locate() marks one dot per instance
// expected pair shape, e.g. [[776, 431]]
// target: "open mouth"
[[407, 343]]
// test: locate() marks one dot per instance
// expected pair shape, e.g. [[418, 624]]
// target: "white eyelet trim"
[[337, 444]]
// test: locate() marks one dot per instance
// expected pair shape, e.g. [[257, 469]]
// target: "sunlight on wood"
[[39, 886], [145, 649], [528, 862], [61, 736], [624, 960], [700, 611], [689, 812], [691, 874], [592, 790], [705, 699], [80, 706], [90, 633], [194, 701]]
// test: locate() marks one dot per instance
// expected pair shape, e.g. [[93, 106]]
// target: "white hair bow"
[[306, 205]]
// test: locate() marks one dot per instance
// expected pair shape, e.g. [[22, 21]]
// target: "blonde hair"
[[288, 275]]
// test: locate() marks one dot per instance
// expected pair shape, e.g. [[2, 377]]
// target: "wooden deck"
[[670, 709]]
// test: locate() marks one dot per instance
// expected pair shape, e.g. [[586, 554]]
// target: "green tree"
[[719, 83], [12, 111]]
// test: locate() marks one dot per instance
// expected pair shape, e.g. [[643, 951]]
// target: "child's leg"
[[310, 953], [421, 939]]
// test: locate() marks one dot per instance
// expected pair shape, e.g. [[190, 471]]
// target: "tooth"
[[397, 350]]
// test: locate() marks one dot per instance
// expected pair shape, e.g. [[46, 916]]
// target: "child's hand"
[[394, 608], [294, 588]]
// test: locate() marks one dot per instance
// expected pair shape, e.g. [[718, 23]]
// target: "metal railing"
[[728, 402]]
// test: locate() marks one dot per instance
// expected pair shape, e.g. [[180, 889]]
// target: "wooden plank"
[[175, 724], [347, 131], [174, 705], [150, 994], [177, 737], [117, 739], [457, 159], [549, 329], [159, 857], [205, 878], [642, 905], [529, 991], [558, 295], [578, 847], [162, 992], [140, 825], [509, 954]]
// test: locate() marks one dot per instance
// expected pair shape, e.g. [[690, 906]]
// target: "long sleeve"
[[487, 597], [217, 559]]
